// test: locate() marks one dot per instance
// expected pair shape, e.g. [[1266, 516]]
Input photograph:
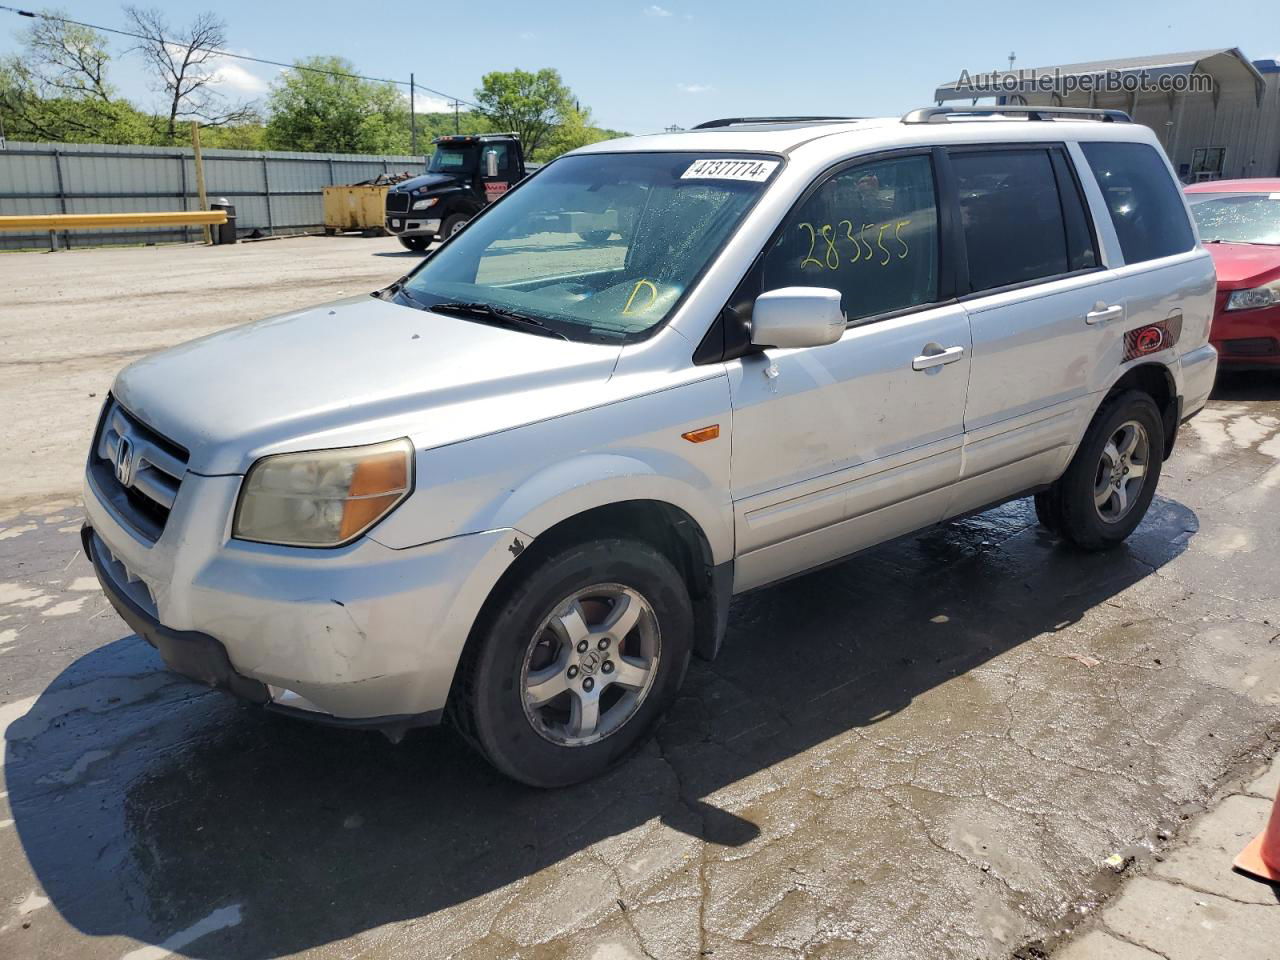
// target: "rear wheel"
[[574, 667], [596, 237], [1112, 478], [417, 244]]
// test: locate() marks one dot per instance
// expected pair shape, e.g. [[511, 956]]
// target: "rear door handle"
[[927, 361], [1104, 314]]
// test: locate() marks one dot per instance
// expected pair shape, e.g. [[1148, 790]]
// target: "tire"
[[1047, 511], [596, 236], [525, 647], [452, 224], [416, 244], [1099, 501]]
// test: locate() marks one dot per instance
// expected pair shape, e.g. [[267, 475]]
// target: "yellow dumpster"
[[357, 207]]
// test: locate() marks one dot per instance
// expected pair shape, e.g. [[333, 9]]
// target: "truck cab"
[[466, 172]]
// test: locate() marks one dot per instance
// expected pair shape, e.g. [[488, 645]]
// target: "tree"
[[310, 110], [57, 89], [576, 130], [532, 105], [182, 63]]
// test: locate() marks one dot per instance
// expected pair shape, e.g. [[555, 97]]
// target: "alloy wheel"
[[1122, 471], [590, 664]]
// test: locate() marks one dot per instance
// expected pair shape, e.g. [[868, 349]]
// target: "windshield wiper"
[[488, 313]]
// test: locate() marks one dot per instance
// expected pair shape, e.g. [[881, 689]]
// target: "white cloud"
[[695, 88], [231, 76], [653, 10], [426, 103]]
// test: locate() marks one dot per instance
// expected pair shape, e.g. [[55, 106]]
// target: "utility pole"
[[413, 116], [456, 122], [1012, 57], [199, 164]]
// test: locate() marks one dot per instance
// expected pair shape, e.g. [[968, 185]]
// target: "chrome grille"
[[137, 470]]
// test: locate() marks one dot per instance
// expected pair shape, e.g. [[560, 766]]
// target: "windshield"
[[598, 246], [1237, 217], [452, 159]]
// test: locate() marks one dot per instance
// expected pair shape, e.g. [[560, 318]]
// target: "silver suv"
[[520, 485]]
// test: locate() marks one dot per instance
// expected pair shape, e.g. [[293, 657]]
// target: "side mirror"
[[797, 317], [490, 163]]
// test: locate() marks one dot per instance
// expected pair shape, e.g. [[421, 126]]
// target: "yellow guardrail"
[[80, 221]]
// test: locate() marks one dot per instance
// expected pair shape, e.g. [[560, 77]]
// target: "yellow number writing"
[[848, 232], [653, 295], [813, 239], [832, 253], [880, 243], [862, 235], [897, 235]]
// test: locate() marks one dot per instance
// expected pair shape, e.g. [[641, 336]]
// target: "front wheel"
[[416, 244], [452, 224], [574, 666], [1112, 478]]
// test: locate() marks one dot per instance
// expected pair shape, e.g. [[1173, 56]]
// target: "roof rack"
[[730, 121], [940, 114]]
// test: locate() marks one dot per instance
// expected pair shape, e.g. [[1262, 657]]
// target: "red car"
[[1239, 223]]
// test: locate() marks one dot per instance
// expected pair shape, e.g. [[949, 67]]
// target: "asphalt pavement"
[[929, 751]]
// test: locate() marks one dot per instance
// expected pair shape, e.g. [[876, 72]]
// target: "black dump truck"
[[466, 172]]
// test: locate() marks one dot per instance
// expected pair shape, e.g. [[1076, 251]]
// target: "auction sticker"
[[755, 171]]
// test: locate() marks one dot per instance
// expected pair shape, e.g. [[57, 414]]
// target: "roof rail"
[[940, 114], [730, 121]]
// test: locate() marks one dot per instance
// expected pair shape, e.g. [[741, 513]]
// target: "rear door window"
[[1012, 218], [1145, 205]]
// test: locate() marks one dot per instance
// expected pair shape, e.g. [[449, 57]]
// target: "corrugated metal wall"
[[272, 192]]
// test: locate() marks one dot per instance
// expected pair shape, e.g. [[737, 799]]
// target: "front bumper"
[[412, 224], [363, 635], [1246, 338]]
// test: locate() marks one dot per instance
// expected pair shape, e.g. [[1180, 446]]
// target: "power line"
[[36, 15]]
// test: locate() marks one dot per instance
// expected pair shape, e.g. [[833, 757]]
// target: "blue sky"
[[641, 66]]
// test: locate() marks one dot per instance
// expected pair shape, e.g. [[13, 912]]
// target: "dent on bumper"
[[376, 632], [364, 632]]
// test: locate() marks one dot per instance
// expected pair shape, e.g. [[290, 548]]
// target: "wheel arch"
[[1157, 381], [660, 524]]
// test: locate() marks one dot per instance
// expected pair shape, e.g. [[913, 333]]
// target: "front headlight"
[[1266, 295], [423, 204], [323, 498]]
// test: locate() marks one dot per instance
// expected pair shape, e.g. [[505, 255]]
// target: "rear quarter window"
[[1144, 202]]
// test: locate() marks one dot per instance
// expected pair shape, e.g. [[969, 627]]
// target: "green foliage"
[[322, 113], [241, 136], [576, 130], [57, 89], [533, 105]]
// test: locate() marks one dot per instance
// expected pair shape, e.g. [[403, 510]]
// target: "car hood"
[[1244, 265], [429, 181], [354, 371]]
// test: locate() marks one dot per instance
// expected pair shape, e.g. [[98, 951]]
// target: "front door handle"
[[1104, 314], [927, 361]]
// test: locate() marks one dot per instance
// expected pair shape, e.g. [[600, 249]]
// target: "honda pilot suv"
[[518, 487]]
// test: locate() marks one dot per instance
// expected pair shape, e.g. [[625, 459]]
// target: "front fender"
[[537, 475], [596, 480]]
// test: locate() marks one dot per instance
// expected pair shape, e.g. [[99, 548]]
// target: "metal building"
[[1216, 112]]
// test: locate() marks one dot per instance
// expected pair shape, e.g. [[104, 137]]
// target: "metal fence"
[[273, 192]]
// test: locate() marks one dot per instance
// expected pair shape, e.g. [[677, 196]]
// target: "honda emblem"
[[124, 462]]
